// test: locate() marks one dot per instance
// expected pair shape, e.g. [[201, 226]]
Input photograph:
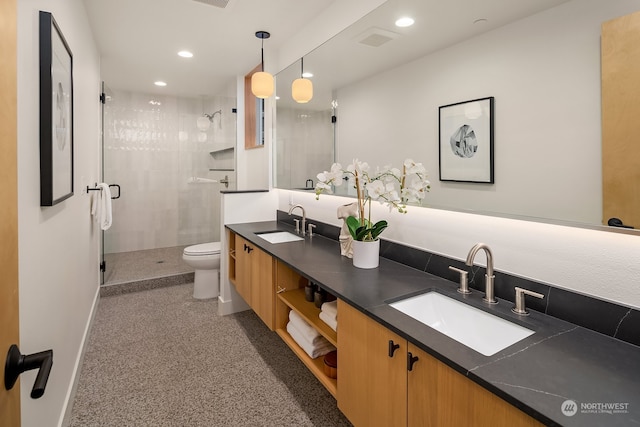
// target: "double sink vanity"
[[415, 349]]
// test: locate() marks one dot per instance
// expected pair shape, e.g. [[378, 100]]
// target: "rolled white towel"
[[331, 308], [306, 330], [332, 322], [313, 351]]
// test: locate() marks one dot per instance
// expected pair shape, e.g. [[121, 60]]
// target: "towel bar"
[[99, 189]]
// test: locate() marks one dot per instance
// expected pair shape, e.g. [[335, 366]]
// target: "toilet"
[[205, 259]]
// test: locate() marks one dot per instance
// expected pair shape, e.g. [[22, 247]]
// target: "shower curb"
[[146, 284]]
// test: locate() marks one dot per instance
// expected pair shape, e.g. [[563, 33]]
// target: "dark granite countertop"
[[560, 362]]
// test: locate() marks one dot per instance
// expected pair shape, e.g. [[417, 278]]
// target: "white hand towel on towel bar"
[[331, 308], [101, 206], [306, 330], [311, 350], [331, 321]]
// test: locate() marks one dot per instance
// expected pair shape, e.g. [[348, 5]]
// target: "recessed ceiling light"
[[404, 22], [480, 21], [307, 75], [185, 54], [159, 83]]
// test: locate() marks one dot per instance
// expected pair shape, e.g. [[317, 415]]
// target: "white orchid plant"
[[388, 185]]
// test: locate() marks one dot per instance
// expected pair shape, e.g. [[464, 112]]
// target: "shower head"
[[212, 115], [205, 120]]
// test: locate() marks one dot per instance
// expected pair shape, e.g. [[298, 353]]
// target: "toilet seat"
[[203, 249]]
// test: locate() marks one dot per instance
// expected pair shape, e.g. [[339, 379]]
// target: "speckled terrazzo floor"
[[161, 358], [139, 265]]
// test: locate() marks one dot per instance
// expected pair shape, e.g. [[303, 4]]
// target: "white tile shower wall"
[[152, 148], [304, 147]]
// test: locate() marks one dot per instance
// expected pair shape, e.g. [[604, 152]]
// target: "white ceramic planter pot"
[[366, 254]]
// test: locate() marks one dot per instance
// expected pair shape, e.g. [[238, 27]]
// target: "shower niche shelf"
[[223, 159]]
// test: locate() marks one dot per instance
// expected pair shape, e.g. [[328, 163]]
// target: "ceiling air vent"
[[217, 3], [375, 37]]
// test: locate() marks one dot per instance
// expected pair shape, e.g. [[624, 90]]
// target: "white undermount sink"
[[479, 330], [279, 236]]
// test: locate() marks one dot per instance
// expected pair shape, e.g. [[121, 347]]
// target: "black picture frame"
[[466, 148], [56, 113]]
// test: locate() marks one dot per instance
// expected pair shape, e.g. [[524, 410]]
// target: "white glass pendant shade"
[[203, 123], [262, 84], [302, 90]]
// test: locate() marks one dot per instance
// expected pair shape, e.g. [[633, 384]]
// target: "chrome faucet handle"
[[464, 280], [520, 307], [297, 221], [310, 228]]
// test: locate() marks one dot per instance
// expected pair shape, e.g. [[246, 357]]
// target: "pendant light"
[[302, 89], [261, 82]]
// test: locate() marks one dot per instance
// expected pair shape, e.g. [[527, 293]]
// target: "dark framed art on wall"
[[466, 141], [56, 113]]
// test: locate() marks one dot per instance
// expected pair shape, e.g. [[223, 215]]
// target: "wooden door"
[[372, 387], [620, 58], [243, 269], [262, 292], [9, 400]]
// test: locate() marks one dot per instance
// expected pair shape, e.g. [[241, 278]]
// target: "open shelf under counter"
[[316, 366], [309, 312]]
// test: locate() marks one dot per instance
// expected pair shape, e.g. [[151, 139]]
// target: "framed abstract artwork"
[[56, 114], [466, 141]]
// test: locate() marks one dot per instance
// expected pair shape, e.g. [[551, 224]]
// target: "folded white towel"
[[101, 206], [331, 308], [331, 321], [306, 330], [312, 351]]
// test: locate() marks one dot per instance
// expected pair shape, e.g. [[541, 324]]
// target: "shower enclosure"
[[171, 157]]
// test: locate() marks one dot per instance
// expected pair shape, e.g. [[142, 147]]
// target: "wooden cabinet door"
[[422, 387], [372, 387], [262, 289], [243, 269], [440, 396]]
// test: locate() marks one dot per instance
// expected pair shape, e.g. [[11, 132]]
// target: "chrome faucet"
[[304, 219], [489, 296]]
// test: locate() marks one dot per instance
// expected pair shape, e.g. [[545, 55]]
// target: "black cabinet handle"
[[392, 348], [249, 249], [18, 363], [411, 359]]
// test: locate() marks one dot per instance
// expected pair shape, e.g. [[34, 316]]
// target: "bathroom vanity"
[[394, 370]]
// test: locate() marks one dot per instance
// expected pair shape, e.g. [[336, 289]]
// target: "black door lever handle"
[[18, 363]]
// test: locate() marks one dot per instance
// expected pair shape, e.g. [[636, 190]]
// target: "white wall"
[[58, 246], [544, 72], [597, 263]]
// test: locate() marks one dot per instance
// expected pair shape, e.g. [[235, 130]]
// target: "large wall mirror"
[[378, 89]]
